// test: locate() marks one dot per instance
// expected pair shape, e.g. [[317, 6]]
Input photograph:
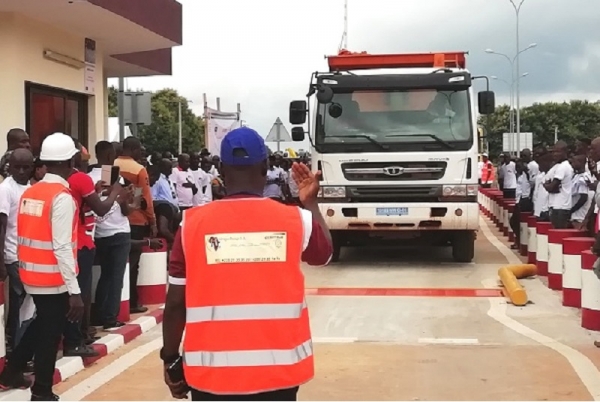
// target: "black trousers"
[[76, 332], [137, 233], [288, 394], [40, 340], [560, 218], [524, 205], [509, 193]]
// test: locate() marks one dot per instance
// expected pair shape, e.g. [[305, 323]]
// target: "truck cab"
[[395, 139]]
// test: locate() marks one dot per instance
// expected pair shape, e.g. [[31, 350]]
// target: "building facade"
[[57, 55]]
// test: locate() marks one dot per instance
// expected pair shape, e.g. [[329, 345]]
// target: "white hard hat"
[[58, 147], [484, 154]]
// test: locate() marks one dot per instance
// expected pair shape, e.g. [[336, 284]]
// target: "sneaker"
[[80, 351], [51, 397], [113, 325], [17, 382], [137, 309], [91, 340]]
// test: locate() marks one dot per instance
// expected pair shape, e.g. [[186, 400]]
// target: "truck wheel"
[[338, 239], [463, 246]]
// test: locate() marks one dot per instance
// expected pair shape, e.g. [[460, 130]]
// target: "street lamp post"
[[517, 12], [180, 123], [511, 114], [512, 62]]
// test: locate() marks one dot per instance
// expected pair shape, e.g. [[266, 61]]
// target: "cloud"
[[261, 53]]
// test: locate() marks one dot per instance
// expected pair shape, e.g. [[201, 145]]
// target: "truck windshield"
[[395, 121]]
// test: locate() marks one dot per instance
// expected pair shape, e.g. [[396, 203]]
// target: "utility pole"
[[180, 128], [121, 107], [555, 134], [278, 137]]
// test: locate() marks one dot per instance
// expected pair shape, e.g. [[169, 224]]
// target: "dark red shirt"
[[82, 186], [318, 252]]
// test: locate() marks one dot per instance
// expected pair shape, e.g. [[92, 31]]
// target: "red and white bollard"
[[555, 255], [524, 233], [590, 293], [531, 239], [571, 281], [152, 276], [541, 254]]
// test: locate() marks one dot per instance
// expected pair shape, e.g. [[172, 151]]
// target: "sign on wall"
[[90, 66]]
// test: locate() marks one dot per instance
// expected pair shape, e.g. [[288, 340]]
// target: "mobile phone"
[[115, 172], [175, 371]]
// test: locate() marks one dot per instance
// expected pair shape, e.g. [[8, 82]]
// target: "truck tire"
[[338, 239], [463, 246]]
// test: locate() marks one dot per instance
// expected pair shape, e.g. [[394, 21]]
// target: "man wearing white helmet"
[[47, 246]]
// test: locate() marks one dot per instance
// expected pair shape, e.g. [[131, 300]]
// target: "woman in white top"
[[581, 193]]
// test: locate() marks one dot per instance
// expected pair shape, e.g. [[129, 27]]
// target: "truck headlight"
[[332, 192], [472, 190], [454, 191]]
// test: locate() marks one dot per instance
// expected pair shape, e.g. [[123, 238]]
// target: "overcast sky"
[[261, 53]]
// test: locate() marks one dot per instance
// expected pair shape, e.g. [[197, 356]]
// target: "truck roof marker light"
[[346, 60]]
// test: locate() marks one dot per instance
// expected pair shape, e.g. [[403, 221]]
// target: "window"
[[51, 110]]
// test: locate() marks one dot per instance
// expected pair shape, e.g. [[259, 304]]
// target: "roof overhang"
[[137, 34]]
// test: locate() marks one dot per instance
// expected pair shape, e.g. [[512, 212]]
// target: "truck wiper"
[[379, 144], [433, 136]]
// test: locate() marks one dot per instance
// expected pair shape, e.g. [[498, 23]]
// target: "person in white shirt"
[[533, 169], [501, 166], [559, 184], [11, 189], [275, 179], [202, 180], [540, 195], [185, 184], [524, 204], [582, 199], [113, 242], [510, 179]]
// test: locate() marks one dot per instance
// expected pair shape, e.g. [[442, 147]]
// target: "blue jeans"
[[16, 295], [113, 253], [76, 332]]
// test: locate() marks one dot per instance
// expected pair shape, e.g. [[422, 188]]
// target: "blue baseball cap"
[[243, 147]]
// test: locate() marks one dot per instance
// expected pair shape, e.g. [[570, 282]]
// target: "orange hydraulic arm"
[[346, 60]]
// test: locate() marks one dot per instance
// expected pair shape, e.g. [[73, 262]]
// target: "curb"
[[68, 366]]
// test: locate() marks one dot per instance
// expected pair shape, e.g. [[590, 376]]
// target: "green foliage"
[[163, 134], [574, 119]]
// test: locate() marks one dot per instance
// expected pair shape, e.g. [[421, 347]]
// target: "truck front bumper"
[[417, 216]]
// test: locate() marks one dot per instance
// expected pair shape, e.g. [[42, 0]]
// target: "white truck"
[[395, 138]]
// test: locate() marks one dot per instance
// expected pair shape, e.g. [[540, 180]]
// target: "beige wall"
[[22, 42]]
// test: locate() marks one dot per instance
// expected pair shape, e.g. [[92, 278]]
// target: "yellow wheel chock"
[[509, 276]]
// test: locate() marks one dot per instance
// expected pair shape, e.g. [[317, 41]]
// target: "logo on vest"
[[214, 242]]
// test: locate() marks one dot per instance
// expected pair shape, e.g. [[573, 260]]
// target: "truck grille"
[[394, 171], [394, 194]]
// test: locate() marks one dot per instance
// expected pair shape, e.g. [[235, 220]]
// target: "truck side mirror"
[[486, 102], [298, 111], [297, 134], [324, 94]]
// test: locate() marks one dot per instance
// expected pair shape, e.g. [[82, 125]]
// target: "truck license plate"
[[392, 211]]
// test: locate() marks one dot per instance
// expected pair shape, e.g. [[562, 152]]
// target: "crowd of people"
[[557, 184], [140, 206]]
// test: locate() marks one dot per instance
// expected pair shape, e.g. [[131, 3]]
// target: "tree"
[[575, 119], [163, 134]]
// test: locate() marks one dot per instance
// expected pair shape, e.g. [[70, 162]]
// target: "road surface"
[[416, 326]]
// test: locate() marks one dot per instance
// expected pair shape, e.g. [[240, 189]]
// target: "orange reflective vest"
[[37, 263], [247, 327], [487, 172]]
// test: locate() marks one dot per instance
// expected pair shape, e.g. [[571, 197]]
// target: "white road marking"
[[449, 341], [334, 340], [114, 369], [583, 366]]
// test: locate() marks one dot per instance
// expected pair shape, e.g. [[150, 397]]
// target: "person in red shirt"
[[243, 181], [86, 195]]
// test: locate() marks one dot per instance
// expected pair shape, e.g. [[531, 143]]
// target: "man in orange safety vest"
[[236, 287], [487, 172], [47, 252]]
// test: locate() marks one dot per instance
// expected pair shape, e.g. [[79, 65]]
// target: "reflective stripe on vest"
[[245, 312], [250, 358], [243, 277]]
